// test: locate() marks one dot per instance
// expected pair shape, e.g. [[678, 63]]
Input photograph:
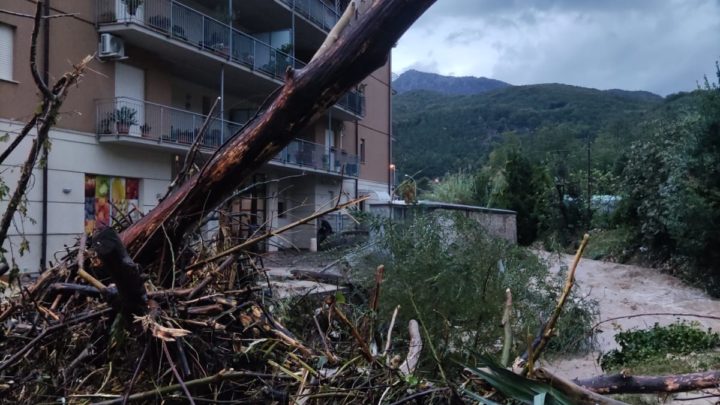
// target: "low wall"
[[499, 223]]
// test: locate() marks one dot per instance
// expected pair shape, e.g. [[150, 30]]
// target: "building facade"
[[160, 66]]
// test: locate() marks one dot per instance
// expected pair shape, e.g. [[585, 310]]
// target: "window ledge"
[[8, 81]]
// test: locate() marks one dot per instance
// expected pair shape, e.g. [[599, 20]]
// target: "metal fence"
[[146, 120], [320, 157], [127, 116]]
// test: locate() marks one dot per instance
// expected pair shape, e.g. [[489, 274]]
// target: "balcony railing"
[[189, 26], [150, 121], [123, 116], [320, 157], [316, 11]]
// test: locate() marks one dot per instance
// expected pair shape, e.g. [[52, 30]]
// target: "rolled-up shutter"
[[6, 52]]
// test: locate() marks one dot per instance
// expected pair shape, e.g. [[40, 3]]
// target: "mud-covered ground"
[[623, 290]]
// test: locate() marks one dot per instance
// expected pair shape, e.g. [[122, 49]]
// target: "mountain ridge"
[[413, 80], [438, 132]]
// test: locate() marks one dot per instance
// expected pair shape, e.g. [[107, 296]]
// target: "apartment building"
[[160, 67]]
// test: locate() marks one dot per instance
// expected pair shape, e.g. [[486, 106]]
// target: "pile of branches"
[[145, 313], [95, 328]]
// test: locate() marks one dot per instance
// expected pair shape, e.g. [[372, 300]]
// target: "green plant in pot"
[[132, 6], [106, 123], [145, 129], [125, 118]]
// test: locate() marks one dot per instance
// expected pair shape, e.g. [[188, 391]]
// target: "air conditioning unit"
[[111, 47]]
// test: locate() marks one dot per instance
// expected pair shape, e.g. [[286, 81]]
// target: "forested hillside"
[[439, 133], [637, 170]]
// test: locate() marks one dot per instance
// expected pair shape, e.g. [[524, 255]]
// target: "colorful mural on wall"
[[107, 199]]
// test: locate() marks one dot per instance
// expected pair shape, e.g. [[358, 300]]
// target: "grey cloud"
[[465, 37], [459, 8], [661, 46]]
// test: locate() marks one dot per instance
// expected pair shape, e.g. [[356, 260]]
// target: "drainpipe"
[[222, 103], [46, 77], [391, 173], [357, 156], [292, 36]]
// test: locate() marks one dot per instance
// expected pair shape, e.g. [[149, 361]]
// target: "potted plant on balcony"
[[124, 119], [132, 6], [145, 129], [105, 126]]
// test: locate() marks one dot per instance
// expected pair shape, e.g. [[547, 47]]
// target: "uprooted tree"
[[197, 330], [356, 52]]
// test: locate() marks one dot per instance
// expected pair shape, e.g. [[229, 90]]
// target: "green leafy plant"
[[145, 129], [638, 346], [124, 118], [457, 276], [106, 123], [456, 187], [513, 387], [126, 115]]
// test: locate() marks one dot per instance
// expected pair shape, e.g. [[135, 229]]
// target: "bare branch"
[[33, 56]]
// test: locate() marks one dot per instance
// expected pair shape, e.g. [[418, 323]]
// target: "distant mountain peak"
[[412, 80]]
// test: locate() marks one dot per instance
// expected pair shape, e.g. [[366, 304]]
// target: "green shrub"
[[611, 244], [641, 346], [449, 268], [458, 188]]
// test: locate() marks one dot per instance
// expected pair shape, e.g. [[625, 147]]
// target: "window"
[[7, 36], [362, 150]]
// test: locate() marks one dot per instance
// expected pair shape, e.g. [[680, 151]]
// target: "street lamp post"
[[391, 183]]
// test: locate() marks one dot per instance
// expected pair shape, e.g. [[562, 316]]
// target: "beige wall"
[[23, 92], [71, 39], [158, 85], [375, 126]]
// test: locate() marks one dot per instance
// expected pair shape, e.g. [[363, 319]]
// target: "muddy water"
[[623, 290]]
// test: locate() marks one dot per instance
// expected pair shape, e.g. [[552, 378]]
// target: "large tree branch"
[[622, 384], [359, 50]]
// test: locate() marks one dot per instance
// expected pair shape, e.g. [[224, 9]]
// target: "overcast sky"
[[663, 46]]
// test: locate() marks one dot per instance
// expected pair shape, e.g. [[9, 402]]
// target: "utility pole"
[[589, 193]]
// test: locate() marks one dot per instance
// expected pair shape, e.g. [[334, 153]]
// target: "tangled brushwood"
[[94, 329]]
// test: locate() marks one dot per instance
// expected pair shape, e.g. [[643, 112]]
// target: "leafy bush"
[[511, 181], [638, 346], [671, 187], [450, 269], [456, 188], [611, 244]]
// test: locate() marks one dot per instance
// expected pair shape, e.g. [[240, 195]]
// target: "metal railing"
[[150, 121], [187, 25], [320, 157], [316, 11], [128, 116]]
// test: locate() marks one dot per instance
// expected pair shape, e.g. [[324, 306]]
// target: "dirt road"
[[623, 290]]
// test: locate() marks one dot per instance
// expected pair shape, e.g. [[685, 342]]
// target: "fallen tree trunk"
[[622, 384], [124, 273], [358, 51], [579, 395]]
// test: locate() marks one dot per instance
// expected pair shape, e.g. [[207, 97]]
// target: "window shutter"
[[6, 52]]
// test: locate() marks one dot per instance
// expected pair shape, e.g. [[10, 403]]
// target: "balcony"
[[134, 122], [315, 11], [157, 23], [301, 153]]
